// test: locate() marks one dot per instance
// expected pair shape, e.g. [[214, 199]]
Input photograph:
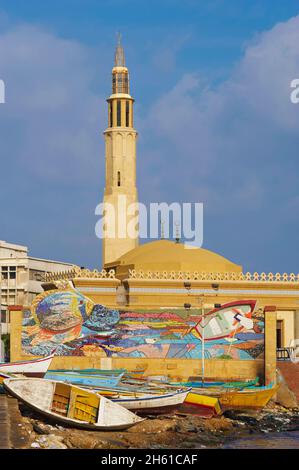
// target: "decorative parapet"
[[78, 273], [205, 276]]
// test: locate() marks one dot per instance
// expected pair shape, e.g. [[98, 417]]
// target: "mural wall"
[[66, 321]]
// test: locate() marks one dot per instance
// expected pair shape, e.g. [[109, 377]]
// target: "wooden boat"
[[32, 368], [226, 321], [3, 377], [109, 372], [205, 401], [238, 385], [251, 397], [257, 397], [81, 379], [71, 405], [145, 403], [138, 372]]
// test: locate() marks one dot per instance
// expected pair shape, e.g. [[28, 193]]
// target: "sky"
[[211, 80]]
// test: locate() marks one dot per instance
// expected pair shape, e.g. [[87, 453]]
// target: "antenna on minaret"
[[118, 34], [177, 232], [119, 58]]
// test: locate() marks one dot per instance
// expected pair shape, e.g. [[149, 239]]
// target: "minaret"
[[120, 140]]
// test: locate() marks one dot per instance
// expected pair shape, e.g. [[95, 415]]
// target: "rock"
[[231, 414], [153, 426], [55, 442], [59, 427], [81, 442], [41, 428], [35, 445], [192, 429], [50, 441], [285, 397]]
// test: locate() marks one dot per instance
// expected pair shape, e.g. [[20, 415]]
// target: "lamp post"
[[1, 353], [2, 350], [1, 319], [202, 342]]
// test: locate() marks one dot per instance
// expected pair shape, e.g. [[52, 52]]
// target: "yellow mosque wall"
[[288, 326]]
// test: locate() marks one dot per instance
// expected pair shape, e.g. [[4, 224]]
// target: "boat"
[[145, 403], [250, 397], [238, 385], [109, 372], [2, 378], [71, 405], [225, 321], [204, 401], [33, 368], [255, 397], [81, 379]]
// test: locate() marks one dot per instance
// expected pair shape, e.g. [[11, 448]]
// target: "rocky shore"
[[175, 431]]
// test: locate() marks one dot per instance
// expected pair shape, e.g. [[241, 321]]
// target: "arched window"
[[127, 113], [118, 178], [118, 113], [110, 114]]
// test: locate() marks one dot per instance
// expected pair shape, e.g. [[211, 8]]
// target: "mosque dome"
[[166, 255]]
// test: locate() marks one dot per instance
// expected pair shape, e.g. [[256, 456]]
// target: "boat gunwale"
[[152, 397], [31, 361]]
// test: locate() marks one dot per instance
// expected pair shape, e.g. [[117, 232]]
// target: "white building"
[[21, 278]]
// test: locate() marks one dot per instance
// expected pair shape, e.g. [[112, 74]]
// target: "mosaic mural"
[[66, 321]]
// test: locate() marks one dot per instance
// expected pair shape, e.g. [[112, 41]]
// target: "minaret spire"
[[120, 73], [119, 58]]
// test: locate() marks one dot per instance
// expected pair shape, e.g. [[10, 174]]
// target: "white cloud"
[[236, 137], [51, 118]]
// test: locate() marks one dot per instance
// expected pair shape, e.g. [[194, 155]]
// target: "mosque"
[[160, 289]]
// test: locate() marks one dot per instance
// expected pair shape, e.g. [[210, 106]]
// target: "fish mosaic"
[[66, 321]]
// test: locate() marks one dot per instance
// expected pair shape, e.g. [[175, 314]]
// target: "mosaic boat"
[[226, 321], [71, 405]]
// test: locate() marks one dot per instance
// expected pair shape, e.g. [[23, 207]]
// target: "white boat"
[[152, 404], [33, 368], [71, 405]]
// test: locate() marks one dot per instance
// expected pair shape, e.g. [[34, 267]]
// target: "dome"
[[166, 255]]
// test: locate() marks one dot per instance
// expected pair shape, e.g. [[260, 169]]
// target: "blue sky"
[[211, 81]]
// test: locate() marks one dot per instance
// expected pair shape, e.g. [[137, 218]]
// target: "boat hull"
[[153, 404], [247, 398], [33, 368], [82, 380], [256, 397]]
